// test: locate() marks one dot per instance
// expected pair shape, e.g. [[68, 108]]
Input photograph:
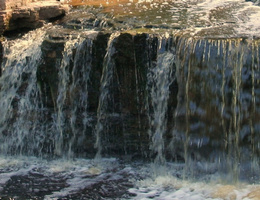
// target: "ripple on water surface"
[[204, 18]]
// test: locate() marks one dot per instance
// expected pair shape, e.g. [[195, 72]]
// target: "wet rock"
[[98, 53], [47, 73]]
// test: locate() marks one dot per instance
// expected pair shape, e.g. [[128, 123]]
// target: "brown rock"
[[27, 14]]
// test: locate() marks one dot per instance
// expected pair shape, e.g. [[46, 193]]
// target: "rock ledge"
[[31, 15]]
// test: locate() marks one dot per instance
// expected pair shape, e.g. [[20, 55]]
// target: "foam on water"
[[10, 167], [81, 177], [235, 17], [248, 18], [77, 174], [169, 187]]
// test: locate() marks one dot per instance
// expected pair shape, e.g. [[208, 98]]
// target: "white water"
[[72, 100], [64, 78], [20, 109], [80, 174], [159, 80], [221, 18]]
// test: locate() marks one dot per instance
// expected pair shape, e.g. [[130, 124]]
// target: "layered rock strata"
[[28, 14]]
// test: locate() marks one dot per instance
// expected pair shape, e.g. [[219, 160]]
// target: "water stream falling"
[[214, 85], [64, 79], [105, 98], [20, 99], [73, 87], [159, 80]]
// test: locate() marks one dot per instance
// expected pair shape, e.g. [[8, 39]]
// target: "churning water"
[[33, 178], [166, 116]]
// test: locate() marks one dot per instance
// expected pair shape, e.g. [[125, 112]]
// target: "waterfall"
[[159, 79], [106, 82], [133, 100], [64, 80], [191, 104], [79, 91], [216, 100], [215, 105], [72, 100], [20, 106], [25, 127]]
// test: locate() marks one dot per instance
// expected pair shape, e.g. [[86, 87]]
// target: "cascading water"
[[160, 77], [73, 88], [80, 79], [20, 100], [105, 99], [213, 78], [187, 100], [70, 120], [64, 79]]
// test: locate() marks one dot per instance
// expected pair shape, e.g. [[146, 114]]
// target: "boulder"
[[32, 15]]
